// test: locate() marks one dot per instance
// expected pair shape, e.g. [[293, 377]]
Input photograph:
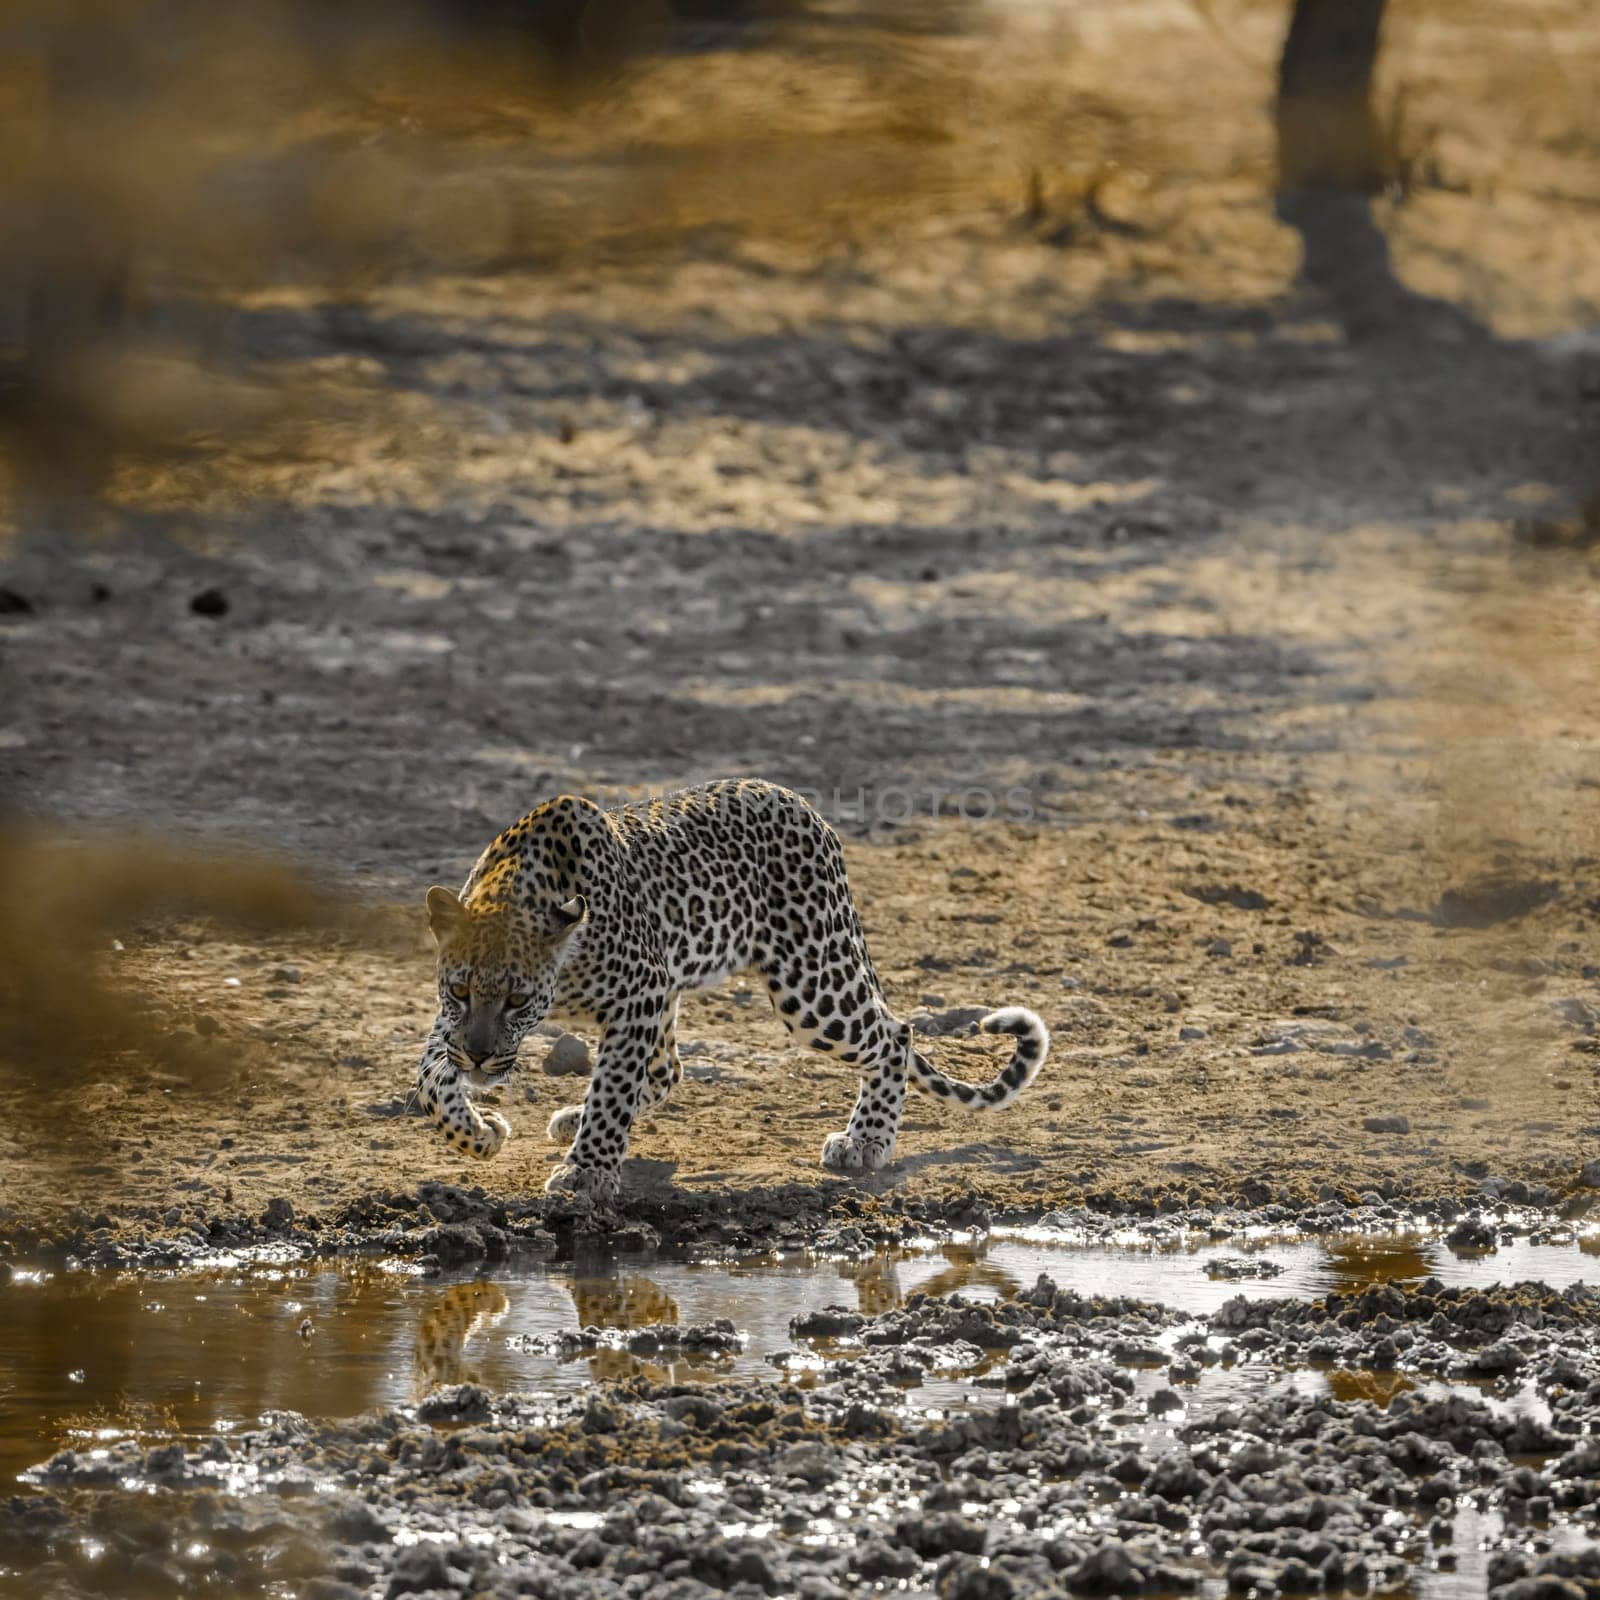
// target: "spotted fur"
[[610, 915]]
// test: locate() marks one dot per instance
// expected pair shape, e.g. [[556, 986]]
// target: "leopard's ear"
[[566, 917], [445, 910]]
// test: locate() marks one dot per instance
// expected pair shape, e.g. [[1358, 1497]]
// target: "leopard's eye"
[[516, 1001], [460, 991]]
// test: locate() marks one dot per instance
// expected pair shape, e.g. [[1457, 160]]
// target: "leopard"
[[606, 915]]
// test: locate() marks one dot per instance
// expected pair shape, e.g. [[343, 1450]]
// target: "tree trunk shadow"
[[1332, 158], [1346, 260]]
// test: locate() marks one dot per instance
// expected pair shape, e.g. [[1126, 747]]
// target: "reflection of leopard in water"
[[878, 1288], [612, 914], [618, 1302], [453, 1316], [464, 1311]]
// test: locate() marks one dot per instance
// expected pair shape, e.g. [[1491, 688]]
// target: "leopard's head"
[[498, 966]]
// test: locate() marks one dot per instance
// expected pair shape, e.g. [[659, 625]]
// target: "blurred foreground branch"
[[69, 899], [166, 162]]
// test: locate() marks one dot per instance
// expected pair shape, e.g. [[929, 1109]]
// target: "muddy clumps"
[[1105, 1460]]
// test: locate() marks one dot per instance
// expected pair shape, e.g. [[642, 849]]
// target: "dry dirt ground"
[[1270, 652]]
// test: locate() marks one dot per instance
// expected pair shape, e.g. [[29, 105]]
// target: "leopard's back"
[[735, 872]]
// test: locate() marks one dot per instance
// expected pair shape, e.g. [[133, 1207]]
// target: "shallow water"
[[89, 1357]]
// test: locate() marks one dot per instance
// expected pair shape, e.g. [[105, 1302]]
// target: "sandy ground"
[[1272, 654]]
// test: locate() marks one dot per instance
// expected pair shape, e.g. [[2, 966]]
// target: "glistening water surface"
[[87, 1357]]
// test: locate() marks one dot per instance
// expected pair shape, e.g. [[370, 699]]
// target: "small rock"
[[421, 1569], [1471, 1233], [749, 1567], [1369, 1050], [13, 604], [1589, 1175], [1386, 1124], [1502, 1356], [1219, 947], [814, 1464], [1490, 899], [1218, 894], [209, 603], [456, 1402], [874, 1560], [278, 1214], [1108, 1570], [969, 1577], [1237, 1268], [568, 1057], [286, 974], [329, 1589], [942, 1533], [941, 1024], [1310, 949]]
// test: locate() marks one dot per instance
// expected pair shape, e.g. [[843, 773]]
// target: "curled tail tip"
[[1019, 1022], [1032, 1044]]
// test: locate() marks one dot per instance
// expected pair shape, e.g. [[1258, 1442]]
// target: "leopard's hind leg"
[[837, 1009], [867, 1143]]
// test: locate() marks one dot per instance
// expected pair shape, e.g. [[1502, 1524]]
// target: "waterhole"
[[88, 1357]]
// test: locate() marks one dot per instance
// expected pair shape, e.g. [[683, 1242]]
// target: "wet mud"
[[1344, 1402]]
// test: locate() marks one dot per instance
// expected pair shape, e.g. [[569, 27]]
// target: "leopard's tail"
[[1033, 1042]]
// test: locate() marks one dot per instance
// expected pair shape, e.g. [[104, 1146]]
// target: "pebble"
[[1471, 1233], [1395, 1124], [943, 1024], [567, 1057]]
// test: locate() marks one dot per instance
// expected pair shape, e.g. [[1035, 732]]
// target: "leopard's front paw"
[[601, 1184], [482, 1143], [487, 1144], [842, 1153], [564, 1124]]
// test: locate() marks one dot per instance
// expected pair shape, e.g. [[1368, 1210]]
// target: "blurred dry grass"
[[68, 900], [163, 161], [160, 164]]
